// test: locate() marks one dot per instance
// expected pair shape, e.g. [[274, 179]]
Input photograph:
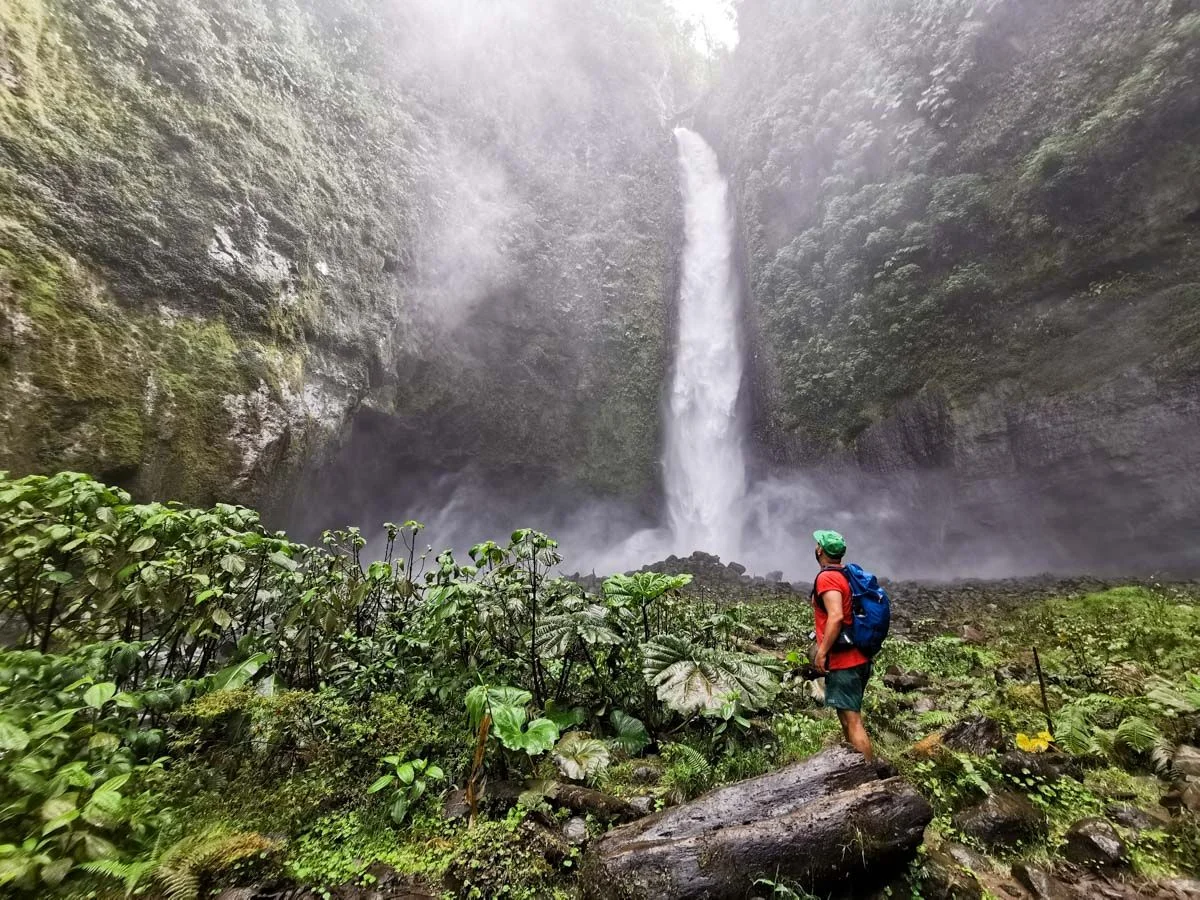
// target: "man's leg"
[[856, 734]]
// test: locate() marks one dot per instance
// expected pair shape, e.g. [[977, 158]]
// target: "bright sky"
[[716, 15]]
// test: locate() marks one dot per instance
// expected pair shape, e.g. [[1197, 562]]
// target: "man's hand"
[[820, 661]]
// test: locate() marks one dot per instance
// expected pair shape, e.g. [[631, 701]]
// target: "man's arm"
[[832, 601]]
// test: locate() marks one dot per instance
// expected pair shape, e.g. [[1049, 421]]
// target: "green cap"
[[831, 542]]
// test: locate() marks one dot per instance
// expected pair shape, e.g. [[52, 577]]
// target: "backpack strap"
[[813, 594]]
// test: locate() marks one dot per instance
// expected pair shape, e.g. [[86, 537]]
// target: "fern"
[[1138, 734], [688, 772], [935, 718], [184, 866], [130, 873]]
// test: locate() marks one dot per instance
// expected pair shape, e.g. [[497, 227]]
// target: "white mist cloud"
[[715, 22]]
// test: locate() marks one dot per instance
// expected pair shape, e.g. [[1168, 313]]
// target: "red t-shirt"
[[834, 580]]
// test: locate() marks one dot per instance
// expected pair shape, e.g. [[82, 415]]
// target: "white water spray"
[[705, 465]]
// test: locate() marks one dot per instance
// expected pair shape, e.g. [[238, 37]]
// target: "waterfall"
[[704, 464]]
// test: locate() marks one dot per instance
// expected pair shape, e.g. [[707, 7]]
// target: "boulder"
[[972, 635], [978, 736], [906, 681], [574, 831], [643, 806], [1136, 818], [1040, 882], [1093, 842], [1186, 762], [924, 705], [1048, 767], [943, 878], [817, 822], [1190, 798], [1002, 820]]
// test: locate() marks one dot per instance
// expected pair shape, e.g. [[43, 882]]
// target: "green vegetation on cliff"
[[941, 198], [343, 203]]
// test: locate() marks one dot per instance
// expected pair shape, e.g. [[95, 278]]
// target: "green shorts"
[[844, 687]]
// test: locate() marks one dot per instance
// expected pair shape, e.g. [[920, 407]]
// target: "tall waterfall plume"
[[705, 465]]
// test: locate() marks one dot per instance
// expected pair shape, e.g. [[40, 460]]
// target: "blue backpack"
[[871, 611]]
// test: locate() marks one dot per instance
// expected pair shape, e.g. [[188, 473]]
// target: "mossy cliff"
[[971, 230], [224, 228]]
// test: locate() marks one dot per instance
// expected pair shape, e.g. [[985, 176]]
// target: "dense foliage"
[[937, 196], [139, 615], [223, 223]]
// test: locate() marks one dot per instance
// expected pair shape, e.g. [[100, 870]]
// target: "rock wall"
[[971, 234], [227, 228], [960, 214]]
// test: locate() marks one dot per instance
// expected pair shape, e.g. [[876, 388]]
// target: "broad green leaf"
[[12, 737], [99, 694], [435, 773], [565, 718], [56, 807], [113, 784], [284, 561], [221, 618], [399, 809], [233, 564], [381, 783], [239, 674], [631, 735], [405, 773], [691, 678], [580, 756], [53, 724], [142, 544]]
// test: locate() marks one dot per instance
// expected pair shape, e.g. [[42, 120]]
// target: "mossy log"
[[822, 824]]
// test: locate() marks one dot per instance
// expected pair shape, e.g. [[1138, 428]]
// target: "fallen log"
[[821, 824]]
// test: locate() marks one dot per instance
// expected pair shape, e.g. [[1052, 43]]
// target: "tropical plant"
[[581, 757], [691, 678], [409, 781]]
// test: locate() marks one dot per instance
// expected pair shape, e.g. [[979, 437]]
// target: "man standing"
[[845, 668]]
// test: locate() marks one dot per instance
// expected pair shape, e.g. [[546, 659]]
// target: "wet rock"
[[456, 806], [1186, 762], [924, 704], [1002, 820], [972, 634], [643, 806], [1181, 888], [574, 831], [775, 576], [1039, 882], [1047, 767], [1008, 673], [645, 775], [1136, 818], [978, 736], [1093, 842], [1190, 798], [736, 568], [968, 858], [905, 681], [791, 824], [776, 641], [943, 878]]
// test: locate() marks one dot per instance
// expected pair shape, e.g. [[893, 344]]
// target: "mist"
[[536, 216]]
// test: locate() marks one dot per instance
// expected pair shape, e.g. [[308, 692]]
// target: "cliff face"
[[971, 233], [227, 228]]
